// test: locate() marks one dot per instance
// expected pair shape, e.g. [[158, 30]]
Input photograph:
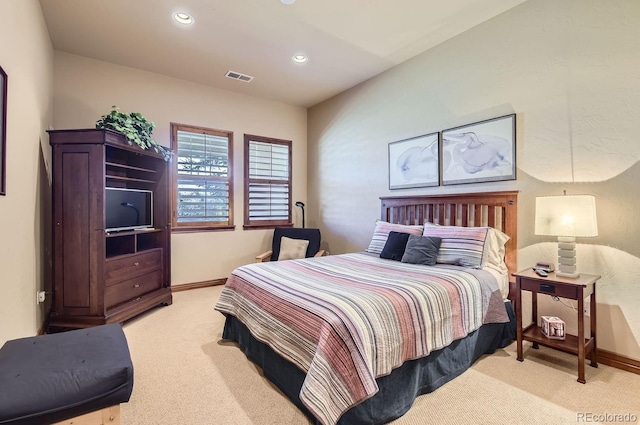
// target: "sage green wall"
[[570, 70], [26, 55]]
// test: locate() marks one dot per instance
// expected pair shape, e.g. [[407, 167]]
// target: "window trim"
[[207, 226], [266, 224]]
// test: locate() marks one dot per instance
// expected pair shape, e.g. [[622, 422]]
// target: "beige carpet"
[[185, 375]]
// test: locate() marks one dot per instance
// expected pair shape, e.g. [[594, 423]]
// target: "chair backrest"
[[312, 235]]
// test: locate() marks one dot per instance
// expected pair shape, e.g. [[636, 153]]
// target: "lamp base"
[[567, 257], [568, 275]]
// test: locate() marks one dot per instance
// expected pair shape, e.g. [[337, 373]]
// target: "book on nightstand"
[[552, 327]]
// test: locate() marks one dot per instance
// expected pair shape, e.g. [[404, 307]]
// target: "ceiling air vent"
[[238, 76]]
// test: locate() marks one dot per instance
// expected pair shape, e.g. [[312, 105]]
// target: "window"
[[202, 178], [267, 182]]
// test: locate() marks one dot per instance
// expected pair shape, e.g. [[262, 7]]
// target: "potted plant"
[[135, 127]]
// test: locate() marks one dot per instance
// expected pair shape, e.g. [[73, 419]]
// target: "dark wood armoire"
[[105, 276]]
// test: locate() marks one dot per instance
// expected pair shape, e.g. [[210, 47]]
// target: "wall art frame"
[[3, 131], [414, 162], [483, 151]]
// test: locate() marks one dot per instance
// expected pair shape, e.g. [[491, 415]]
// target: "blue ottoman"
[[50, 378]]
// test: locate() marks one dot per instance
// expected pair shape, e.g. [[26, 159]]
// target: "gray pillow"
[[422, 250]]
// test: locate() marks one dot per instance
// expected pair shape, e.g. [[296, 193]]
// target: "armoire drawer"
[[132, 288], [123, 267]]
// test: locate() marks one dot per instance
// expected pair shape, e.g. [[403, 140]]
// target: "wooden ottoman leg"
[[107, 416]]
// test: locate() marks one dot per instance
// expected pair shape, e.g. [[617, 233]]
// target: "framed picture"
[[3, 130], [481, 152], [414, 162]]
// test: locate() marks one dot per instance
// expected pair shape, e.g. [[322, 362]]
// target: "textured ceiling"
[[347, 41]]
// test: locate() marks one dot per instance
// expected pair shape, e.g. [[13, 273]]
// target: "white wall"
[[570, 70], [85, 89], [26, 55]]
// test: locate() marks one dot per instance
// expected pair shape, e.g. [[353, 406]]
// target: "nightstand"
[[572, 289]]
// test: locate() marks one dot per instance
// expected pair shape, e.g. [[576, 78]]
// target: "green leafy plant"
[[135, 127]]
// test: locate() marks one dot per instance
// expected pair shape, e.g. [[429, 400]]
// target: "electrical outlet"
[[40, 296], [587, 308]]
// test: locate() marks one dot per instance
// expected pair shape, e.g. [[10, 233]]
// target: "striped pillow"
[[461, 246], [381, 233]]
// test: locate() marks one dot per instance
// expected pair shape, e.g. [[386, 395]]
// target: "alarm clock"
[[547, 267]]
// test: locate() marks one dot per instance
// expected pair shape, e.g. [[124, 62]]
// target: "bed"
[[355, 338]]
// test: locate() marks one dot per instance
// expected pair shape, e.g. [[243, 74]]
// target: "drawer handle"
[[137, 285], [136, 264], [547, 288]]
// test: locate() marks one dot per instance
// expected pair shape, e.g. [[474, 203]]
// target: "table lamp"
[[567, 217]]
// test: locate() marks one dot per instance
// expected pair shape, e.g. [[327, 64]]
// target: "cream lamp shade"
[[567, 217]]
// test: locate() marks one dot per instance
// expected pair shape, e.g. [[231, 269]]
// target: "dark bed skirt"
[[397, 390]]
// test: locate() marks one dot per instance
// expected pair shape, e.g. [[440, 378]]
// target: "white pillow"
[[496, 252], [292, 249]]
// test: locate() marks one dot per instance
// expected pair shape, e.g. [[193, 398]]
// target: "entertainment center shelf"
[[128, 167], [129, 179], [130, 242], [105, 276], [123, 167]]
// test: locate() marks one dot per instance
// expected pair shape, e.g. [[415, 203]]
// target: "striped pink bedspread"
[[347, 319]]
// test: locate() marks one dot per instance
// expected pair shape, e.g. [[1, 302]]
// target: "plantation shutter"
[[269, 181], [203, 178]]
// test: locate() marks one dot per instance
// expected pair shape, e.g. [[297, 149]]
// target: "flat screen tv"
[[128, 209]]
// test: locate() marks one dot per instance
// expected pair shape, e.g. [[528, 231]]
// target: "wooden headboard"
[[493, 209]]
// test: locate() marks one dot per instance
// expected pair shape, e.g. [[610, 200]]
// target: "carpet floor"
[[185, 374]]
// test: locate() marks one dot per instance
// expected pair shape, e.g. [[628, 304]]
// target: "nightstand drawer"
[[550, 288]]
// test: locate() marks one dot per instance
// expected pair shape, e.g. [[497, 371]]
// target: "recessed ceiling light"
[[288, 2], [183, 18], [300, 58]]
